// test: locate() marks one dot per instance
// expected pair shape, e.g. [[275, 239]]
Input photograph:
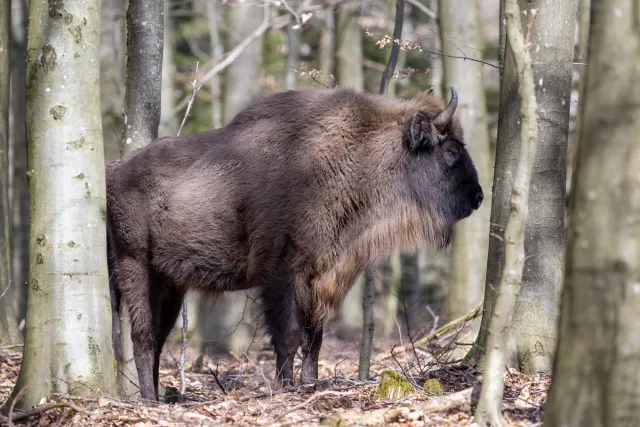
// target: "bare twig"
[[313, 397], [417, 3], [196, 88], [395, 49], [183, 348], [232, 55], [215, 377]]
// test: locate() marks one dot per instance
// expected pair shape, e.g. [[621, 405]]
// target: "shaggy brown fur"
[[296, 195]]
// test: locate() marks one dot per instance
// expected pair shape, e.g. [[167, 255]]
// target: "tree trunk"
[[368, 323], [242, 76], [67, 344], [327, 46], [533, 332], [437, 72], [18, 191], [8, 300], [168, 120], [349, 72], [392, 295], [595, 373], [145, 32], [471, 237], [489, 406], [217, 49], [293, 56]]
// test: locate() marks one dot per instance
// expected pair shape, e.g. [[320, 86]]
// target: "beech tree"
[[145, 28], [8, 291], [460, 29], [595, 380], [67, 343], [532, 334]]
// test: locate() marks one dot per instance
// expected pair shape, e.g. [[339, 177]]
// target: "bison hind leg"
[[311, 343]]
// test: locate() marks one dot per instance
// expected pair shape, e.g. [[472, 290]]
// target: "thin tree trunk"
[[532, 338], [145, 32], [368, 323], [349, 71], [471, 237], [490, 401], [437, 71], [19, 194], [393, 294], [584, 8], [595, 373], [293, 57], [327, 46], [8, 300], [67, 343], [168, 120], [216, 51]]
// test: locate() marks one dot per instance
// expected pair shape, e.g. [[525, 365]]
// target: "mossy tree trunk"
[[143, 88], [68, 341], [9, 292], [460, 29], [595, 373], [533, 332]]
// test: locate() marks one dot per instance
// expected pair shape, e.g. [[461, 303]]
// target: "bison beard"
[[296, 195]]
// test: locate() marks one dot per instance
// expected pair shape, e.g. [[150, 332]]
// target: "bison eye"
[[451, 155]]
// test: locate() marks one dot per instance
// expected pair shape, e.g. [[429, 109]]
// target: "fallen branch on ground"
[[438, 333], [313, 398], [49, 406]]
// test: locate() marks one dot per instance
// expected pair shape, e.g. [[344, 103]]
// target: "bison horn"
[[430, 90], [444, 118]]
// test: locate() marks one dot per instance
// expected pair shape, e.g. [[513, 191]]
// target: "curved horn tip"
[[430, 90], [454, 94]]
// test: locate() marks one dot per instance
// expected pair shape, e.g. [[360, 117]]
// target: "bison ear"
[[419, 132]]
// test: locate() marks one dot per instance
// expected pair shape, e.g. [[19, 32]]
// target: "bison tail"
[[116, 330]]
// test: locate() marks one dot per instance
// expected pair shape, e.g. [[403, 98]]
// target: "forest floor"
[[337, 399]]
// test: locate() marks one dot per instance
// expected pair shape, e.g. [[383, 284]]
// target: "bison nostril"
[[479, 198]]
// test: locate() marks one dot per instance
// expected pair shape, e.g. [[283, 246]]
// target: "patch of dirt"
[[249, 398]]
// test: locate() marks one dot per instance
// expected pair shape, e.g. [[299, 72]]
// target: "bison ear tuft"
[[419, 133]]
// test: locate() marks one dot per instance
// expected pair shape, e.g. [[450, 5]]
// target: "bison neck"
[[384, 233]]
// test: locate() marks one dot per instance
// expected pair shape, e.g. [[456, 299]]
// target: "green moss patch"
[[393, 386]]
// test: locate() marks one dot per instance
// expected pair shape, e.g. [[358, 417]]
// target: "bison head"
[[441, 173]]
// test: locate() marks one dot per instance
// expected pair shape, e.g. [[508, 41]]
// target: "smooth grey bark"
[[488, 411], [368, 323], [18, 191], [293, 56], [9, 333], [349, 71], [595, 374], [112, 67], [213, 16], [67, 341], [327, 45], [533, 332], [168, 121], [584, 8], [437, 71], [242, 75], [391, 299], [145, 33], [143, 88], [460, 26]]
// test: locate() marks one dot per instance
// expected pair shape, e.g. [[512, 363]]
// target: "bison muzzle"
[[296, 196]]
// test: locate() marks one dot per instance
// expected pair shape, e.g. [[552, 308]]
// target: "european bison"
[[296, 195]]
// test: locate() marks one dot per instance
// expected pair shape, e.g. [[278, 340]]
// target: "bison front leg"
[[311, 343], [284, 320]]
